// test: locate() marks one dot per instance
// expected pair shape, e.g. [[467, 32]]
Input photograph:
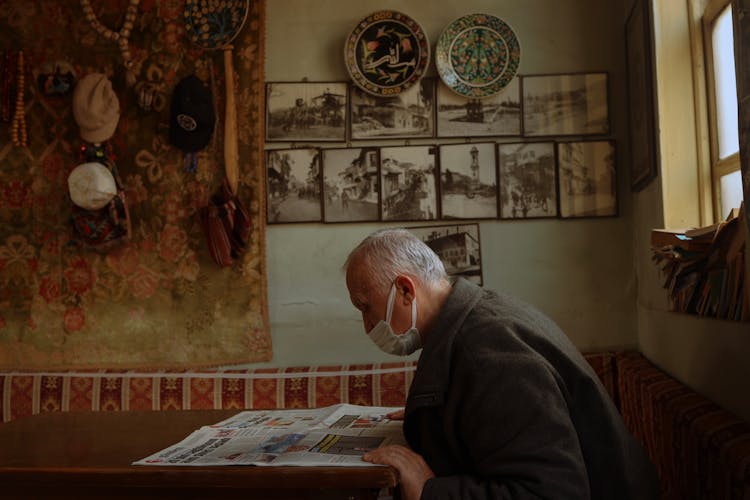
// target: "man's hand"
[[411, 467], [396, 415]]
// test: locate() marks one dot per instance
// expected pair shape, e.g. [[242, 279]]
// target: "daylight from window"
[[726, 87]]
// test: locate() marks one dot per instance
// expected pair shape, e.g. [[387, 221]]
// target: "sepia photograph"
[[574, 104], [350, 185], [588, 184], [468, 181], [458, 248], [293, 185], [499, 114], [407, 183], [527, 178], [306, 111], [408, 114]]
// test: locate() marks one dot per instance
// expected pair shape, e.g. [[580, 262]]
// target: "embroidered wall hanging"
[[159, 301]]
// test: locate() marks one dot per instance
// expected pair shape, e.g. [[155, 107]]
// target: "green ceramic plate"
[[477, 55]]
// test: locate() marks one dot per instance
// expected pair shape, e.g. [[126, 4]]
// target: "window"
[[722, 88]]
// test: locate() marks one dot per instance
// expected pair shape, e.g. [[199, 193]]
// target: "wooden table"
[[88, 455]]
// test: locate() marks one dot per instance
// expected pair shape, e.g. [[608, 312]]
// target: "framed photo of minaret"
[[468, 181]]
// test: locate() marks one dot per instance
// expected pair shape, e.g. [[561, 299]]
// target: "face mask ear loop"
[[389, 307], [414, 313]]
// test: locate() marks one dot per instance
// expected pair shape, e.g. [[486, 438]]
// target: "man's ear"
[[405, 286]]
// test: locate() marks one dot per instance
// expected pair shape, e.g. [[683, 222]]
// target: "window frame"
[[717, 167]]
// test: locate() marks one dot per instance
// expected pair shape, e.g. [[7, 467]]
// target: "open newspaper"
[[334, 435]]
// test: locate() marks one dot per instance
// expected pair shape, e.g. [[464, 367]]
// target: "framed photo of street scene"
[[306, 111], [351, 191], [468, 181], [496, 115], [408, 114], [458, 248], [567, 104], [588, 183], [293, 192], [407, 183], [528, 180]]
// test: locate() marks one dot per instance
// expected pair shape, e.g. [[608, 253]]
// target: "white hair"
[[386, 253]]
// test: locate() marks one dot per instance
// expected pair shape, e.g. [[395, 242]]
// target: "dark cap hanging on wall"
[[192, 117]]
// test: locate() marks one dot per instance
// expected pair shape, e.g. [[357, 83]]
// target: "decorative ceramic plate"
[[477, 55], [386, 53]]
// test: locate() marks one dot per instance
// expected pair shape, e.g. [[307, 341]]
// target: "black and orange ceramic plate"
[[386, 53]]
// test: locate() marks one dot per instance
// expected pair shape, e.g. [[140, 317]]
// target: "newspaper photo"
[[336, 435]]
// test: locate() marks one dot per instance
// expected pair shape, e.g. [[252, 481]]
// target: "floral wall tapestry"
[[158, 301]]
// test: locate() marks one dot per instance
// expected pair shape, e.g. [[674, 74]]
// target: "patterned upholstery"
[[701, 450], [24, 394]]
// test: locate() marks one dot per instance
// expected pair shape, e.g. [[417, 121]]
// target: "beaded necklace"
[[18, 126], [120, 37]]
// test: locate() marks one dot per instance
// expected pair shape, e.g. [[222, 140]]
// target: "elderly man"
[[502, 404]]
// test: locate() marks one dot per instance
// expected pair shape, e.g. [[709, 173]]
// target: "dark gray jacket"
[[504, 406]]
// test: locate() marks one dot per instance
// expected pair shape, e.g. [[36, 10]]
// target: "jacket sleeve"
[[513, 427]]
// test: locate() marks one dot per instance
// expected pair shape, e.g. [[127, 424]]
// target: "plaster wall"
[[580, 272]]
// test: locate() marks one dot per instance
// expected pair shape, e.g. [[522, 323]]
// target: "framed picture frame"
[[306, 111], [458, 247], [527, 178], [407, 183], [293, 191], [641, 95], [565, 104], [351, 184], [468, 181], [496, 115], [409, 114], [587, 179]]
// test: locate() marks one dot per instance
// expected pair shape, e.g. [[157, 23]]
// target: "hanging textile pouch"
[[99, 213], [226, 224]]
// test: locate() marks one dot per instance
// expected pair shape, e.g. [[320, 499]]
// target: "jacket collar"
[[431, 377]]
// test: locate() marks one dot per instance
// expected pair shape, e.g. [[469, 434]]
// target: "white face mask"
[[384, 337]]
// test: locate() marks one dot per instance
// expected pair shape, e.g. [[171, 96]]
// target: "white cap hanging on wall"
[[96, 108], [91, 186]]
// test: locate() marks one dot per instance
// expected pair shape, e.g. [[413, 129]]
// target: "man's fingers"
[[396, 415]]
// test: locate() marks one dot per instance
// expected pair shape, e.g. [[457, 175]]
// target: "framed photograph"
[[641, 96], [468, 181], [498, 115], [407, 183], [458, 248], [574, 104], [293, 185], [408, 114], [528, 180], [350, 185], [314, 111], [588, 184]]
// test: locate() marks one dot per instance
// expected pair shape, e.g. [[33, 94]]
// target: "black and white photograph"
[[468, 181], [408, 184], [293, 187], [350, 185], [306, 111], [587, 178], [574, 104], [458, 248], [496, 115], [408, 114], [527, 177]]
